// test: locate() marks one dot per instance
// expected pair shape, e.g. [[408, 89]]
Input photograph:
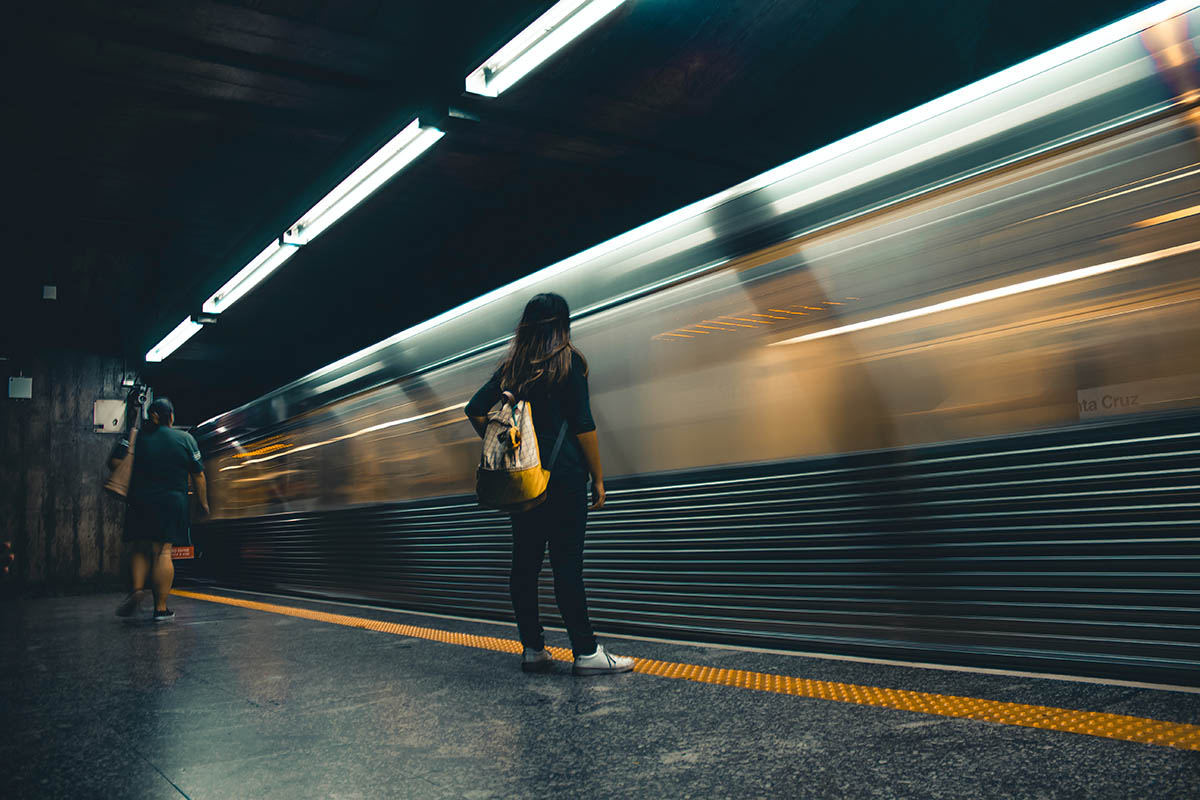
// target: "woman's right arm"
[[591, 454], [580, 422]]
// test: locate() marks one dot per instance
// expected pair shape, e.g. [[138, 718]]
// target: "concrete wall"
[[66, 532]]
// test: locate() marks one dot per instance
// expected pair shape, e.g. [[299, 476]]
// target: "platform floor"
[[235, 702]]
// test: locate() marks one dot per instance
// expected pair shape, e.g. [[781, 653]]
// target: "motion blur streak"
[[1122, 191], [1006, 291], [1174, 215], [372, 429]]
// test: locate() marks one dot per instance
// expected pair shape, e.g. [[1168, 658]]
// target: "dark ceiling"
[[154, 147]]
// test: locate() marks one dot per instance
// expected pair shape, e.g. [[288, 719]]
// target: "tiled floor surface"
[[234, 703]]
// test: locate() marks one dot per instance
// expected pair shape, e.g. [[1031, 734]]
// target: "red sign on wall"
[[183, 552]]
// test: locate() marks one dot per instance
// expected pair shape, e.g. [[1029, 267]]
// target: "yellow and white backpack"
[[510, 475]]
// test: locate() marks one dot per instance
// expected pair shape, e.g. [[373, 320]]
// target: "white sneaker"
[[602, 662], [536, 660]]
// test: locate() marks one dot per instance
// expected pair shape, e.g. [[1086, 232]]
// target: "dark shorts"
[[162, 518]]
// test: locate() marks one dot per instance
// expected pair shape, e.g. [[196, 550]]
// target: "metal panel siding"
[[1071, 551]]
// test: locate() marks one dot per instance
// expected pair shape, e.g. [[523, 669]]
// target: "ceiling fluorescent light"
[[173, 340], [548, 34], [360, 184], [249, 276], [377, 170]]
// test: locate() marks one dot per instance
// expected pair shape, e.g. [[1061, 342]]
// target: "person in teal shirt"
[[158, 516]]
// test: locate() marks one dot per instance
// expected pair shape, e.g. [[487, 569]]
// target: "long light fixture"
[[382, 166], [377, 170], [270, 259], [561, 24], [173, 340], [1003, 291], [548, 34]]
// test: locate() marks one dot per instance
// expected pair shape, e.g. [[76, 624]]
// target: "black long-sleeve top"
[[551, 405]]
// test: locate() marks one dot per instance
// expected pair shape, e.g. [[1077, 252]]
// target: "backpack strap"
[[562, 432]]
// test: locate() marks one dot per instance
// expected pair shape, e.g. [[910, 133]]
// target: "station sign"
[[1157, 394]]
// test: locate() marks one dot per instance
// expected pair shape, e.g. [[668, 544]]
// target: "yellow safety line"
[[1092, 723]]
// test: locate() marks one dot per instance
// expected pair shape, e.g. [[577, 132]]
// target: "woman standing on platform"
[[544, 368], [158, 515]]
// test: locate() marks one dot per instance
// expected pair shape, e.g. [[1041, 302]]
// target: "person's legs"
[[162, 575], [139, 564], [529, 549], [567, 524]]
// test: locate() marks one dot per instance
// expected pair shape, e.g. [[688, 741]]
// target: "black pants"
[[560, 522]]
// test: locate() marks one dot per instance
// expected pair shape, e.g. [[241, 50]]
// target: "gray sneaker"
[[602, 662], [131, 603], [536, 660]]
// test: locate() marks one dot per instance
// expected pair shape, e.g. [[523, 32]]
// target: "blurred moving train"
[[928, 393]]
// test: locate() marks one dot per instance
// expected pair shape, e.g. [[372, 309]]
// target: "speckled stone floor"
[[232, 703]]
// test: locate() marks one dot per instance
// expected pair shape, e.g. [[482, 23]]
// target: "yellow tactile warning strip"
[[1092, 723]]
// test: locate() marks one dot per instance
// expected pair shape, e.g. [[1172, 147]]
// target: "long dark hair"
[[541, 348]]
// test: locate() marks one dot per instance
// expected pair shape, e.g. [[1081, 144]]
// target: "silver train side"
[[931, 394]]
